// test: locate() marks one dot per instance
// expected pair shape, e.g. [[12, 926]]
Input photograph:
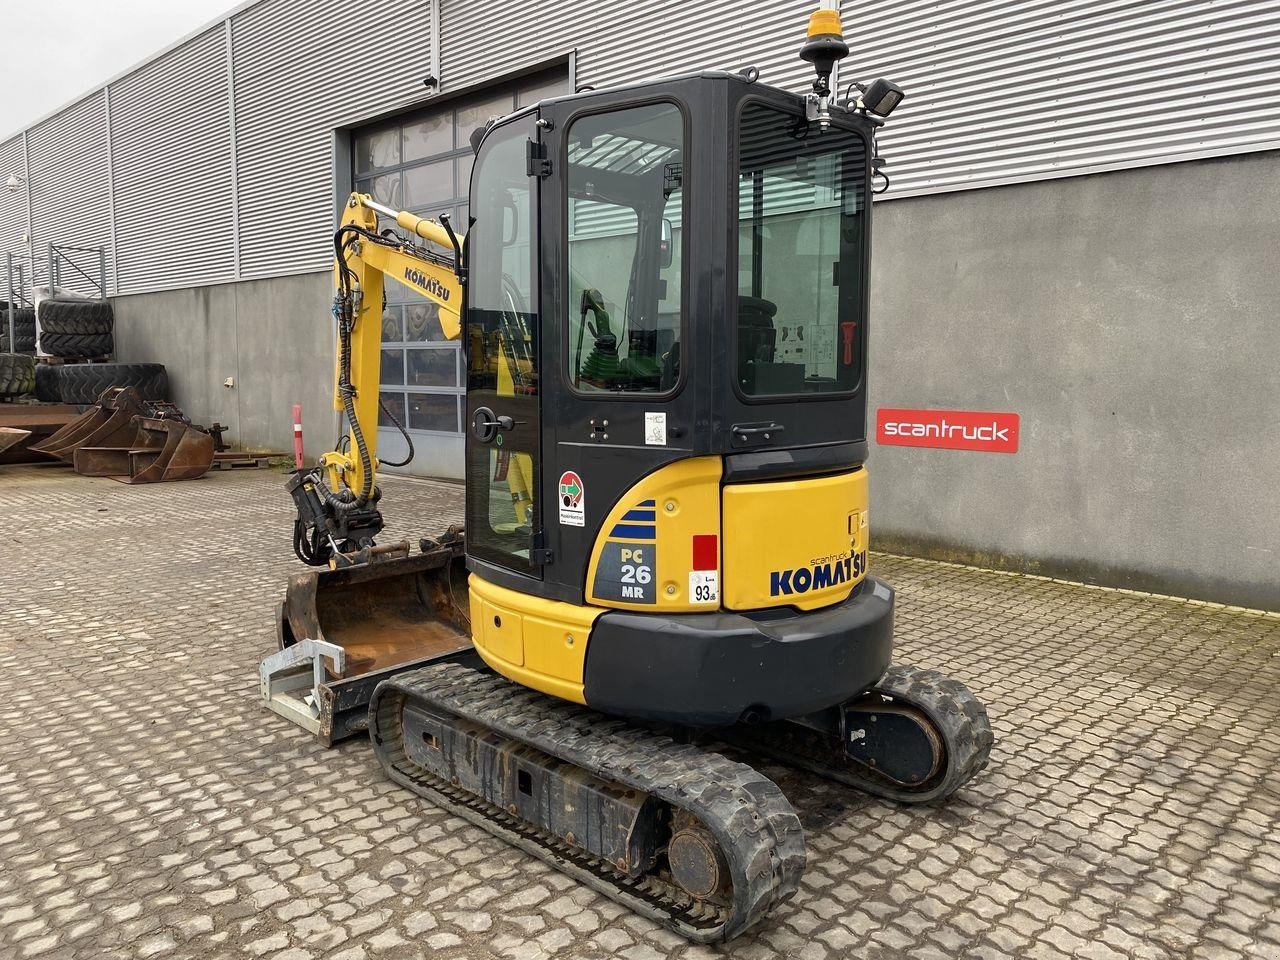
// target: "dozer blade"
[[385, 617], [10, 436], [108, 423]]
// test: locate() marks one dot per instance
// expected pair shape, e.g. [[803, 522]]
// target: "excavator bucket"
[[132, 440], [162, 449], [10, 436], [108, 423], [342, 631]]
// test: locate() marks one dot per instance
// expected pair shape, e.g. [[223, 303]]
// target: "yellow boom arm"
[[366, 259]]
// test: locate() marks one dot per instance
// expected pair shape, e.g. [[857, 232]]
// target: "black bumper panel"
[[712, 669]]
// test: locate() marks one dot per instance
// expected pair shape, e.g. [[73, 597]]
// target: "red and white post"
[[297, 435]]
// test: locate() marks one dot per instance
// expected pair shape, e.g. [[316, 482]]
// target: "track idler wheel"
[[697, 864], [916, 736], [896, 741]]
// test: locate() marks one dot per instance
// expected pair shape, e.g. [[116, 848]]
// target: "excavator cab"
[[667, 286]]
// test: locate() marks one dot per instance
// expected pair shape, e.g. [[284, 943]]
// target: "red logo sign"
[[948, 429]]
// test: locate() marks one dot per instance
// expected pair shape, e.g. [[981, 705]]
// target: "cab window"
[[801, 244], [625, 205]]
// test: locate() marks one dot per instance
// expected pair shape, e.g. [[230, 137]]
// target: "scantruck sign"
[[948, 429]]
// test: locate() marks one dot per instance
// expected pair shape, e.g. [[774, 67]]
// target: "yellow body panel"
[[684, 500], [799, 543], [538, 643]]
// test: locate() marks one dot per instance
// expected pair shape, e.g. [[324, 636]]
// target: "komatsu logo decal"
[[430, 284], [819, 576]]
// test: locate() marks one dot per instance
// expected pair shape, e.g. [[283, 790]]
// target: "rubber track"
[[757, 829], [958, 715]]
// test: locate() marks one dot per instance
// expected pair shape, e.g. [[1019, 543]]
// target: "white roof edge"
[[168, 48]]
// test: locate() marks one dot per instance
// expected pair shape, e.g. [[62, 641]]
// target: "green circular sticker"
[[499, 439]]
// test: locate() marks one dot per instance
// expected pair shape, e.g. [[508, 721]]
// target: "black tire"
[[78, 317], [49, 382], [76, 345], [84, 382], [17, 374], [24, 325]]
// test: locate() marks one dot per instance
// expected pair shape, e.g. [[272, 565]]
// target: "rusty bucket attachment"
[[343, 631], [129, 439], [39, 421], [11, 436], [162, 449], [108, 423]]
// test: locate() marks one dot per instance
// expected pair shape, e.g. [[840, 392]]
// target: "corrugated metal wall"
[[1000, 92], [13, 204], [620, 42], [171, 160], [68, 159], [303, 68], [229, 136]]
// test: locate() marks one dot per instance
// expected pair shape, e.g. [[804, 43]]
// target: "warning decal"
[[573, 499]]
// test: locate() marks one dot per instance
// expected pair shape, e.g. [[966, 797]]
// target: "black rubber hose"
[[403, 432]]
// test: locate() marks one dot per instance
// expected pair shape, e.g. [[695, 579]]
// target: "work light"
[[881, 96]]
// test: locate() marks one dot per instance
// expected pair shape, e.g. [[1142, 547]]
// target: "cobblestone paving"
[[151, 807]]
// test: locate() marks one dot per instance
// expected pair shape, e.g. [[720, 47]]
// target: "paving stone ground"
[[150, 806]]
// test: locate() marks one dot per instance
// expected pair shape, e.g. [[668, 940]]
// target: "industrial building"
[[1080, 230]]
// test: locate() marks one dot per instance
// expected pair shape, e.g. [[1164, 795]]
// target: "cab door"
[[619, 190], [502, 340]]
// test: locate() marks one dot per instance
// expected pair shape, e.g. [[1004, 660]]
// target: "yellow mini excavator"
[[663, 297]]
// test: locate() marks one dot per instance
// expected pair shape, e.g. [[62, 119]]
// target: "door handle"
[[485, 424], [763, 431]]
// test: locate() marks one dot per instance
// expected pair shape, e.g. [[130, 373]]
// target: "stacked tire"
[[75, 329], [84, 382], [17, 375], [48, 378], [24, 326]]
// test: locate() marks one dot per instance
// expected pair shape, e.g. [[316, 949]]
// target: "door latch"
[[536, 162], [539, 553], [485, 424]]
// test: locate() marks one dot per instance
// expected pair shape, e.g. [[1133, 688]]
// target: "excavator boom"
[[338, 518]]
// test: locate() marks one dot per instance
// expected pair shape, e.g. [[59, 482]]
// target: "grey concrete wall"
[[1133, 320], [274, 337]]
